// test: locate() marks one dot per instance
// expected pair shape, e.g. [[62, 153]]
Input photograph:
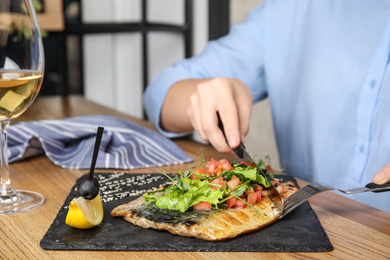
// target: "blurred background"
[[108, 50]]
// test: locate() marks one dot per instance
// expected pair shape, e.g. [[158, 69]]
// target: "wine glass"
[[21, 75]]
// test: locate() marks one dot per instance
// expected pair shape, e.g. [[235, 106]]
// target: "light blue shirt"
[[325, 67]]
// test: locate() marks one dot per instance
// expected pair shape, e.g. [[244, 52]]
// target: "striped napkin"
[[69, 143]]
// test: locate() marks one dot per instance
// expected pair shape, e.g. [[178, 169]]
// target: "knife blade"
[[241, 152]]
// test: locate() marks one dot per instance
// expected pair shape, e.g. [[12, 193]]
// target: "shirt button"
[[372, 83], [361, 148]]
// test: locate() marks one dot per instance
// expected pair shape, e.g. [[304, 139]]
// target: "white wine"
[[18, 90], [22, 65]]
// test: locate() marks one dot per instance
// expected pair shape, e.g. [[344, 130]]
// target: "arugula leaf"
[[245, 173], [227, 175], [263, 181], [149, 197], [174, 200], [202, 191], [240, 189], [195, 192], [249, 172]]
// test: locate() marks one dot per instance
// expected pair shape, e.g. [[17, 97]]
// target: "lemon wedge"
[[85, 213]]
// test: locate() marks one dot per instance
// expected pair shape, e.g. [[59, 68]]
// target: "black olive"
[[88, 188]]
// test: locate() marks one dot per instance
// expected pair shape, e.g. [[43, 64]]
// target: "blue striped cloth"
[[69, 143]]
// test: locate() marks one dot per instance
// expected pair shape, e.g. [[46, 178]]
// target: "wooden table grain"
[[355, 230]]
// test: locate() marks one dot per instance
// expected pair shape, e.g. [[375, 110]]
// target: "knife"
[[241, 152]]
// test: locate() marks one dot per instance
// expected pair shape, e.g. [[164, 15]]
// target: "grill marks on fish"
[[217, 224]]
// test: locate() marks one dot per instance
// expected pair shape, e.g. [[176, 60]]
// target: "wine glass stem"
[[5, 181]]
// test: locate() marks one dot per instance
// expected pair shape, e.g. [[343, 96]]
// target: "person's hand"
[[232, 99], [382, 176]]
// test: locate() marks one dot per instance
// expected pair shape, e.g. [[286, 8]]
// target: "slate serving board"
[[300, 231]]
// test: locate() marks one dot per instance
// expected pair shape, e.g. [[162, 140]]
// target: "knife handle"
[[383, 187], [238, 151]]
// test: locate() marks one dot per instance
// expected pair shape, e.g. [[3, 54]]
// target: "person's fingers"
[[232, 100], [214, 93], [216, 137], [382, 176], [230, 122]]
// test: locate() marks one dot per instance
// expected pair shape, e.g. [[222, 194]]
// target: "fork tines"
[[298, 198]]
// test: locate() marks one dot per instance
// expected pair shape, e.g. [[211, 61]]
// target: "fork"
[[312, 189]]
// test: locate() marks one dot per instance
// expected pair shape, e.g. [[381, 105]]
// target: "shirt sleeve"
[[236, 55]]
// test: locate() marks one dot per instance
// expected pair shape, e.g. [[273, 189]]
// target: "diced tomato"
[[239, 204], [231, 201], [269, 169], [275, 182], [258, 190], [216, 167], [249, 190], [219, 181], [203, 206], [198, 171], [193, 177], [233, 183], [226, 166], [252, 198], [247, 164], [212, 166]]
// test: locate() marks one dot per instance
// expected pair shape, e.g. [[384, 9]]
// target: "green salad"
[[235, 185]]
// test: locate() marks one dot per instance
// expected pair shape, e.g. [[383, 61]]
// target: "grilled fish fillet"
[[214, 225]]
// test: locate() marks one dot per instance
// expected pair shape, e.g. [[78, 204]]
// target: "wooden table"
[[355, 230]]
